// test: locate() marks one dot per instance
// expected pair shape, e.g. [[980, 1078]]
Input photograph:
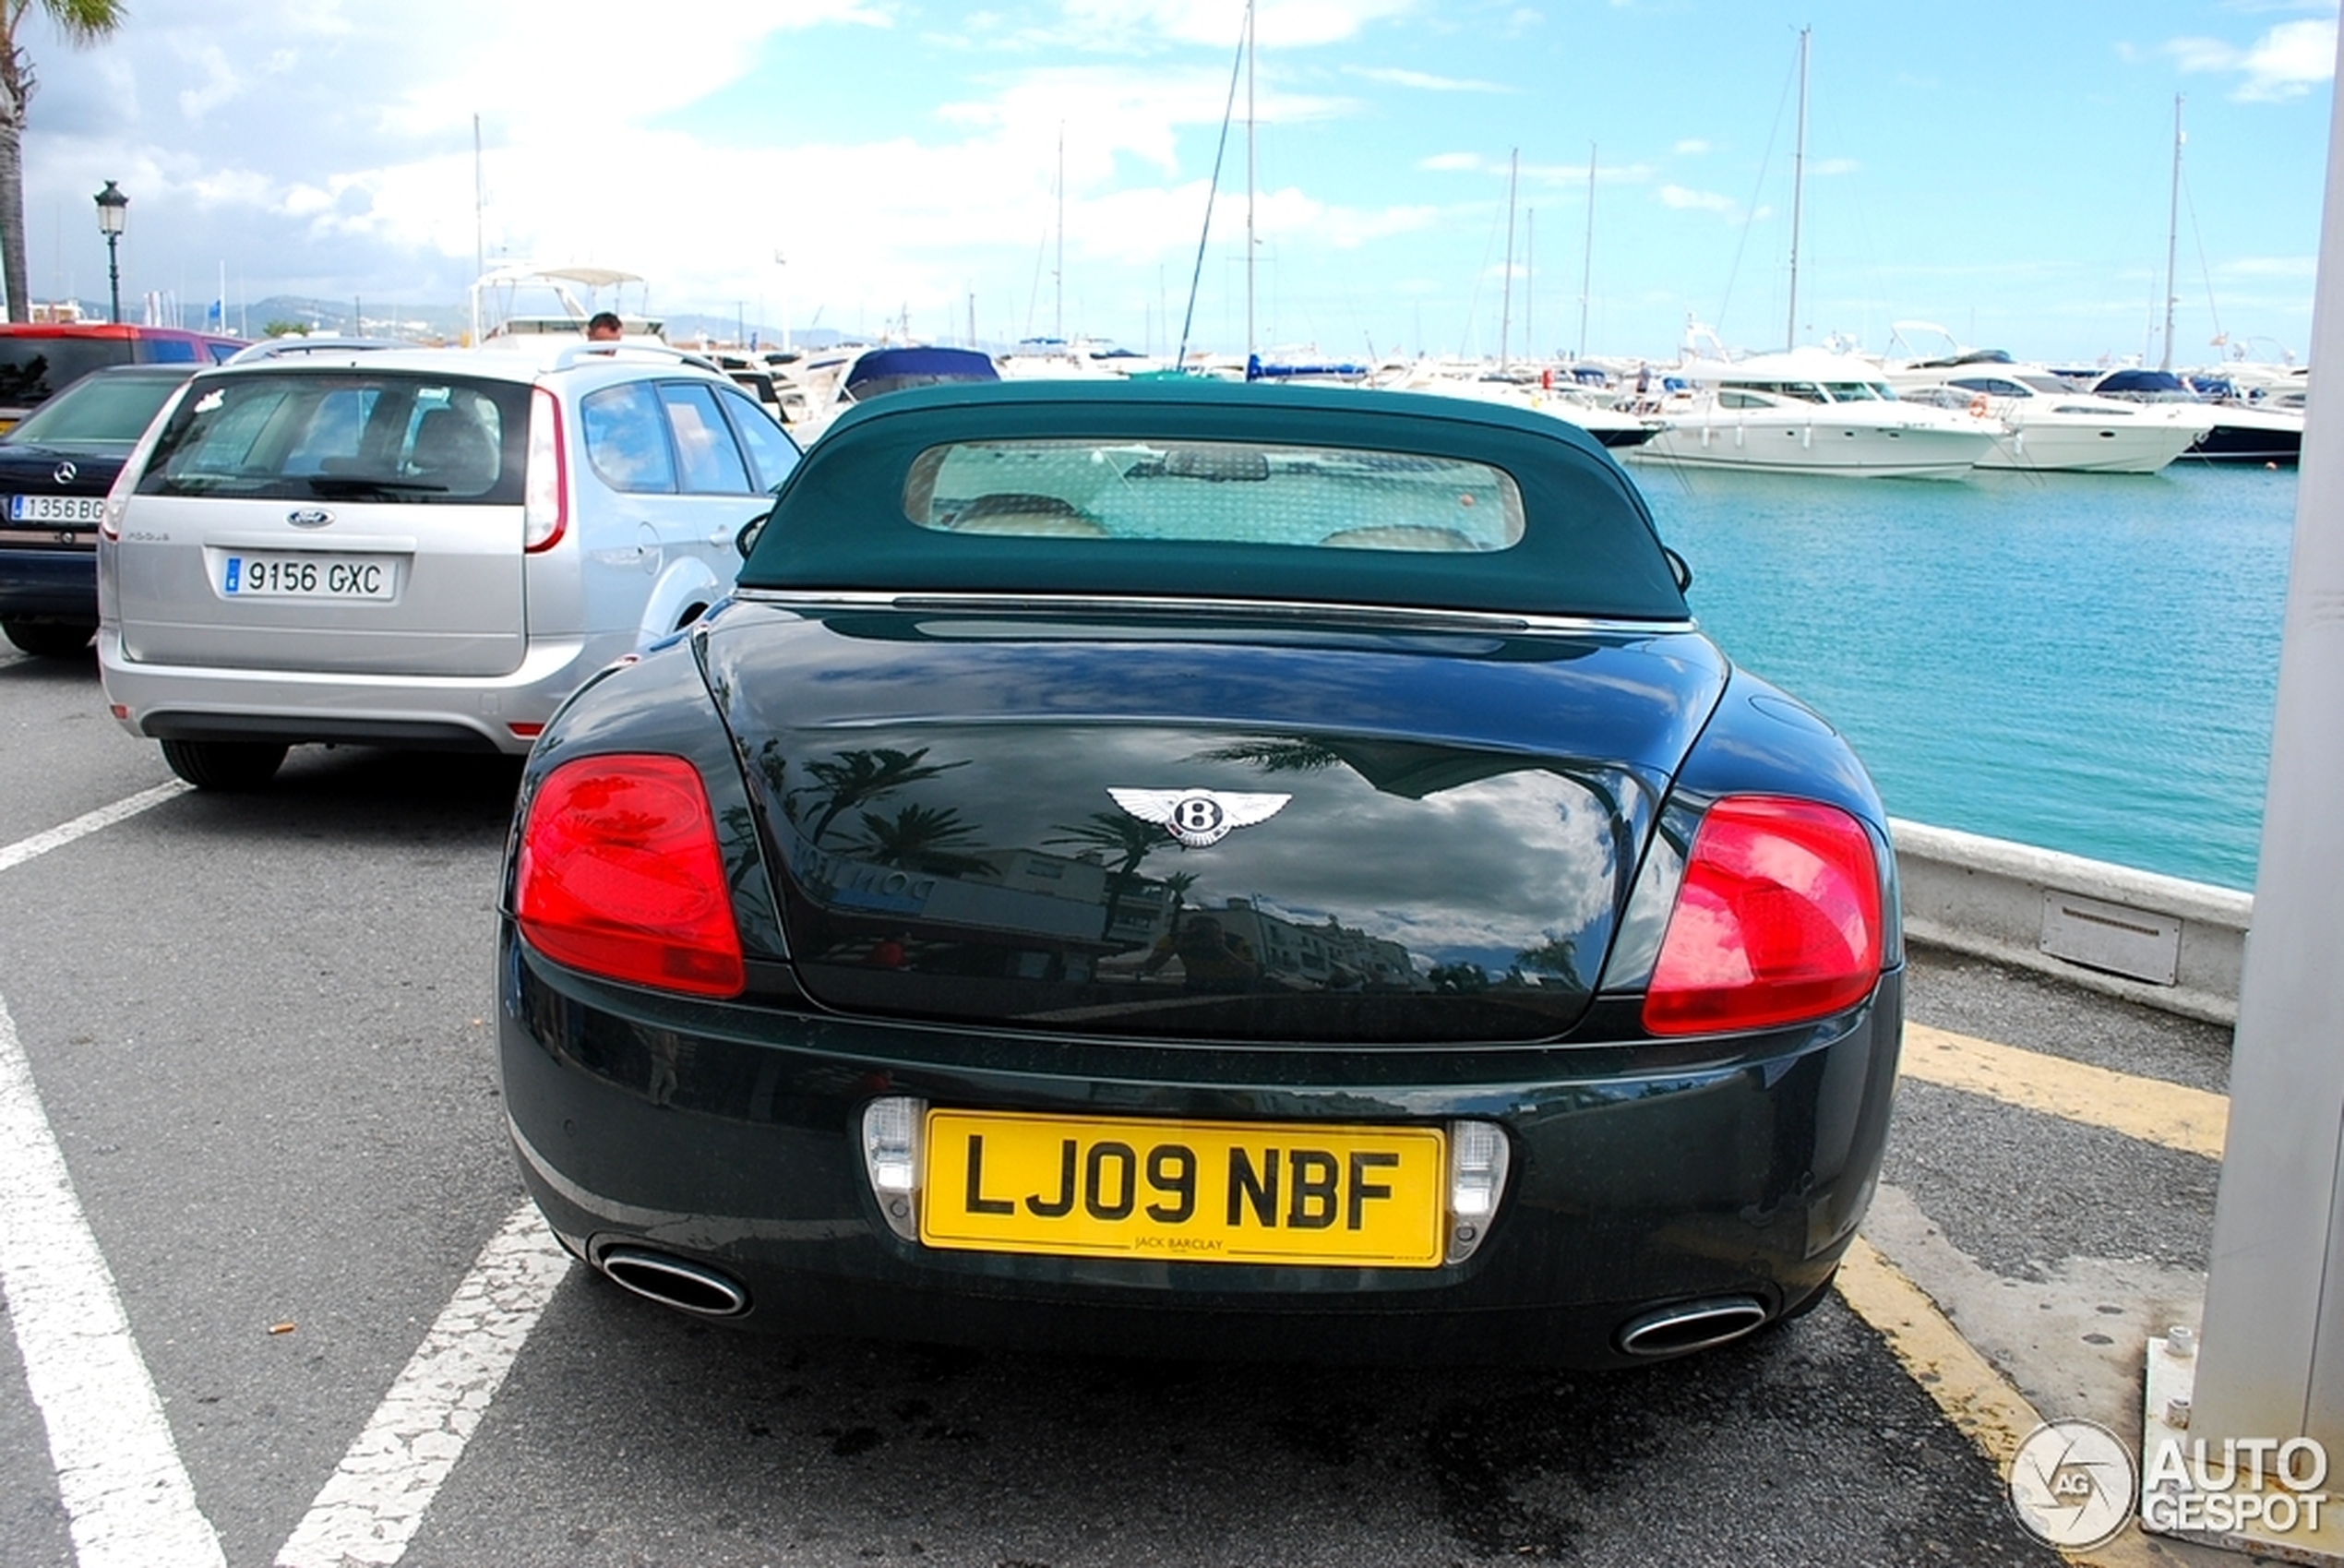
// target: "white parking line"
[[126, 1494], [375, 1501], [89, 822]]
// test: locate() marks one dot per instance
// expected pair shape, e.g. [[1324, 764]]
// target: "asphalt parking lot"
[[255, 1031]]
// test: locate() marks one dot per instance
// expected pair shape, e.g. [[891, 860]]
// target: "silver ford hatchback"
[[426, 548]]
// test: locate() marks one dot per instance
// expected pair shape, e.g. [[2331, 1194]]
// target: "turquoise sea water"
[[2086, 663]]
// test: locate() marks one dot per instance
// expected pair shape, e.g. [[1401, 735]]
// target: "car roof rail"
[[576, 354], [289, 348]]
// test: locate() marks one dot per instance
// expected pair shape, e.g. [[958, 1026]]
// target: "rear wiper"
[[359, 485]]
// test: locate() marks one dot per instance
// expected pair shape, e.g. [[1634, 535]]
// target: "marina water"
[[2080, 661]]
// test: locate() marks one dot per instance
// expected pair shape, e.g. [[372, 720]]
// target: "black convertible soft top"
[[1210, 489]]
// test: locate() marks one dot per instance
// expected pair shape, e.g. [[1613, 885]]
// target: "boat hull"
[[1822, 447], [2088, 448], [2252, 438]]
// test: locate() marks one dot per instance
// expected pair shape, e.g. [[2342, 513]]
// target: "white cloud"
[[2272, 267], [2289, 60], [1692, 147], [1452, 162], [1104, 110], [1686, 201], [2286, 61], [1134, 25], [1833, 166], [1424, 81]]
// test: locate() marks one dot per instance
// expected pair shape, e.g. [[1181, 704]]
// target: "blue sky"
[[2003, 169]]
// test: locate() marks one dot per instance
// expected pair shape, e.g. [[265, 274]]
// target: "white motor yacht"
[[1059, 359], [520, 305], [2264, 434], [1809, 410], [828, 384], [2053, 426], [1555, 397]]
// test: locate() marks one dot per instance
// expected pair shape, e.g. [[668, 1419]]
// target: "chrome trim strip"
[[1375, 616]]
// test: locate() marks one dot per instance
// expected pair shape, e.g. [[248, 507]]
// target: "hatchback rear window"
[[33, 369], [343, 434], [102, 411], [1234, 492]]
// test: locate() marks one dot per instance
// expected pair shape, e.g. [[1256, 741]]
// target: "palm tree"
[[84, 22]]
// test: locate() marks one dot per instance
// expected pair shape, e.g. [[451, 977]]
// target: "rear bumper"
[[193, 702], [49, 585], [726, 1138]]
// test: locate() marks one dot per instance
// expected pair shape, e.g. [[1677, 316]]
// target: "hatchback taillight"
[[545, 506], [620, 875], [117, 503], [1777, 920]]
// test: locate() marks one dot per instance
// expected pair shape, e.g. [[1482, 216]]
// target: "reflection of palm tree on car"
[[919, 838], [851, 778], [1177, 884], [1278, 755], [1117, 834]]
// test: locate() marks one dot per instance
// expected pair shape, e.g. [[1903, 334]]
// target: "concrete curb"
[[2161, 941]]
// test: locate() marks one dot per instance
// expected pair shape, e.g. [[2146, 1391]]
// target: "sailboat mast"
[[1058, 275], [1505, 309], [1798, 191], [479, 229], [2172, 237], [1587, 267], [1248, 181]]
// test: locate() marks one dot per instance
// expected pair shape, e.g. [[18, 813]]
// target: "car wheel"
[[224, 764], [50, 639]]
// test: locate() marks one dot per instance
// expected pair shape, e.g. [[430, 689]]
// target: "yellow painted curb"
[[1973, 1396], [2147, 1108]]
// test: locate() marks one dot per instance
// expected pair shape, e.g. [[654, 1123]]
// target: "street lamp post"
[[112, 207]]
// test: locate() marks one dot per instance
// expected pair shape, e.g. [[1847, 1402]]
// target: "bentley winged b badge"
[[1199, 816]]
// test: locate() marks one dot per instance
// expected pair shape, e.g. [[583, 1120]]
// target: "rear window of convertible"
[[1375, 499], [1226, 492], [344, 435]]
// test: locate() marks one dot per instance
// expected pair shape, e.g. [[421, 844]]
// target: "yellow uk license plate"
[[1187, 1191]]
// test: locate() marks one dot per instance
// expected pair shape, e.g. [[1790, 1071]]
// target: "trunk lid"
[[349, 522], [1242, 832]]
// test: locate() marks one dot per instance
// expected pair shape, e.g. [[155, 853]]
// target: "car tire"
[[48, 640], [229, 765]]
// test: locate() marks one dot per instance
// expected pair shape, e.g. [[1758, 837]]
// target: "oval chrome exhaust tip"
[[1692, 1325], [672, 1282]]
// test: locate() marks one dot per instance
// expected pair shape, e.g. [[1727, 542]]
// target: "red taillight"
[[544, 507], [118, 501], [1777, 920], [620, 876]]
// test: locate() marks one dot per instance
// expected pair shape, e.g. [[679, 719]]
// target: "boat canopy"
[[880, 371], [2140, 381]]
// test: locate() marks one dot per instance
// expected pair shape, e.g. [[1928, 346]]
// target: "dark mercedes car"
[[56, 468], [1195, 869]]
